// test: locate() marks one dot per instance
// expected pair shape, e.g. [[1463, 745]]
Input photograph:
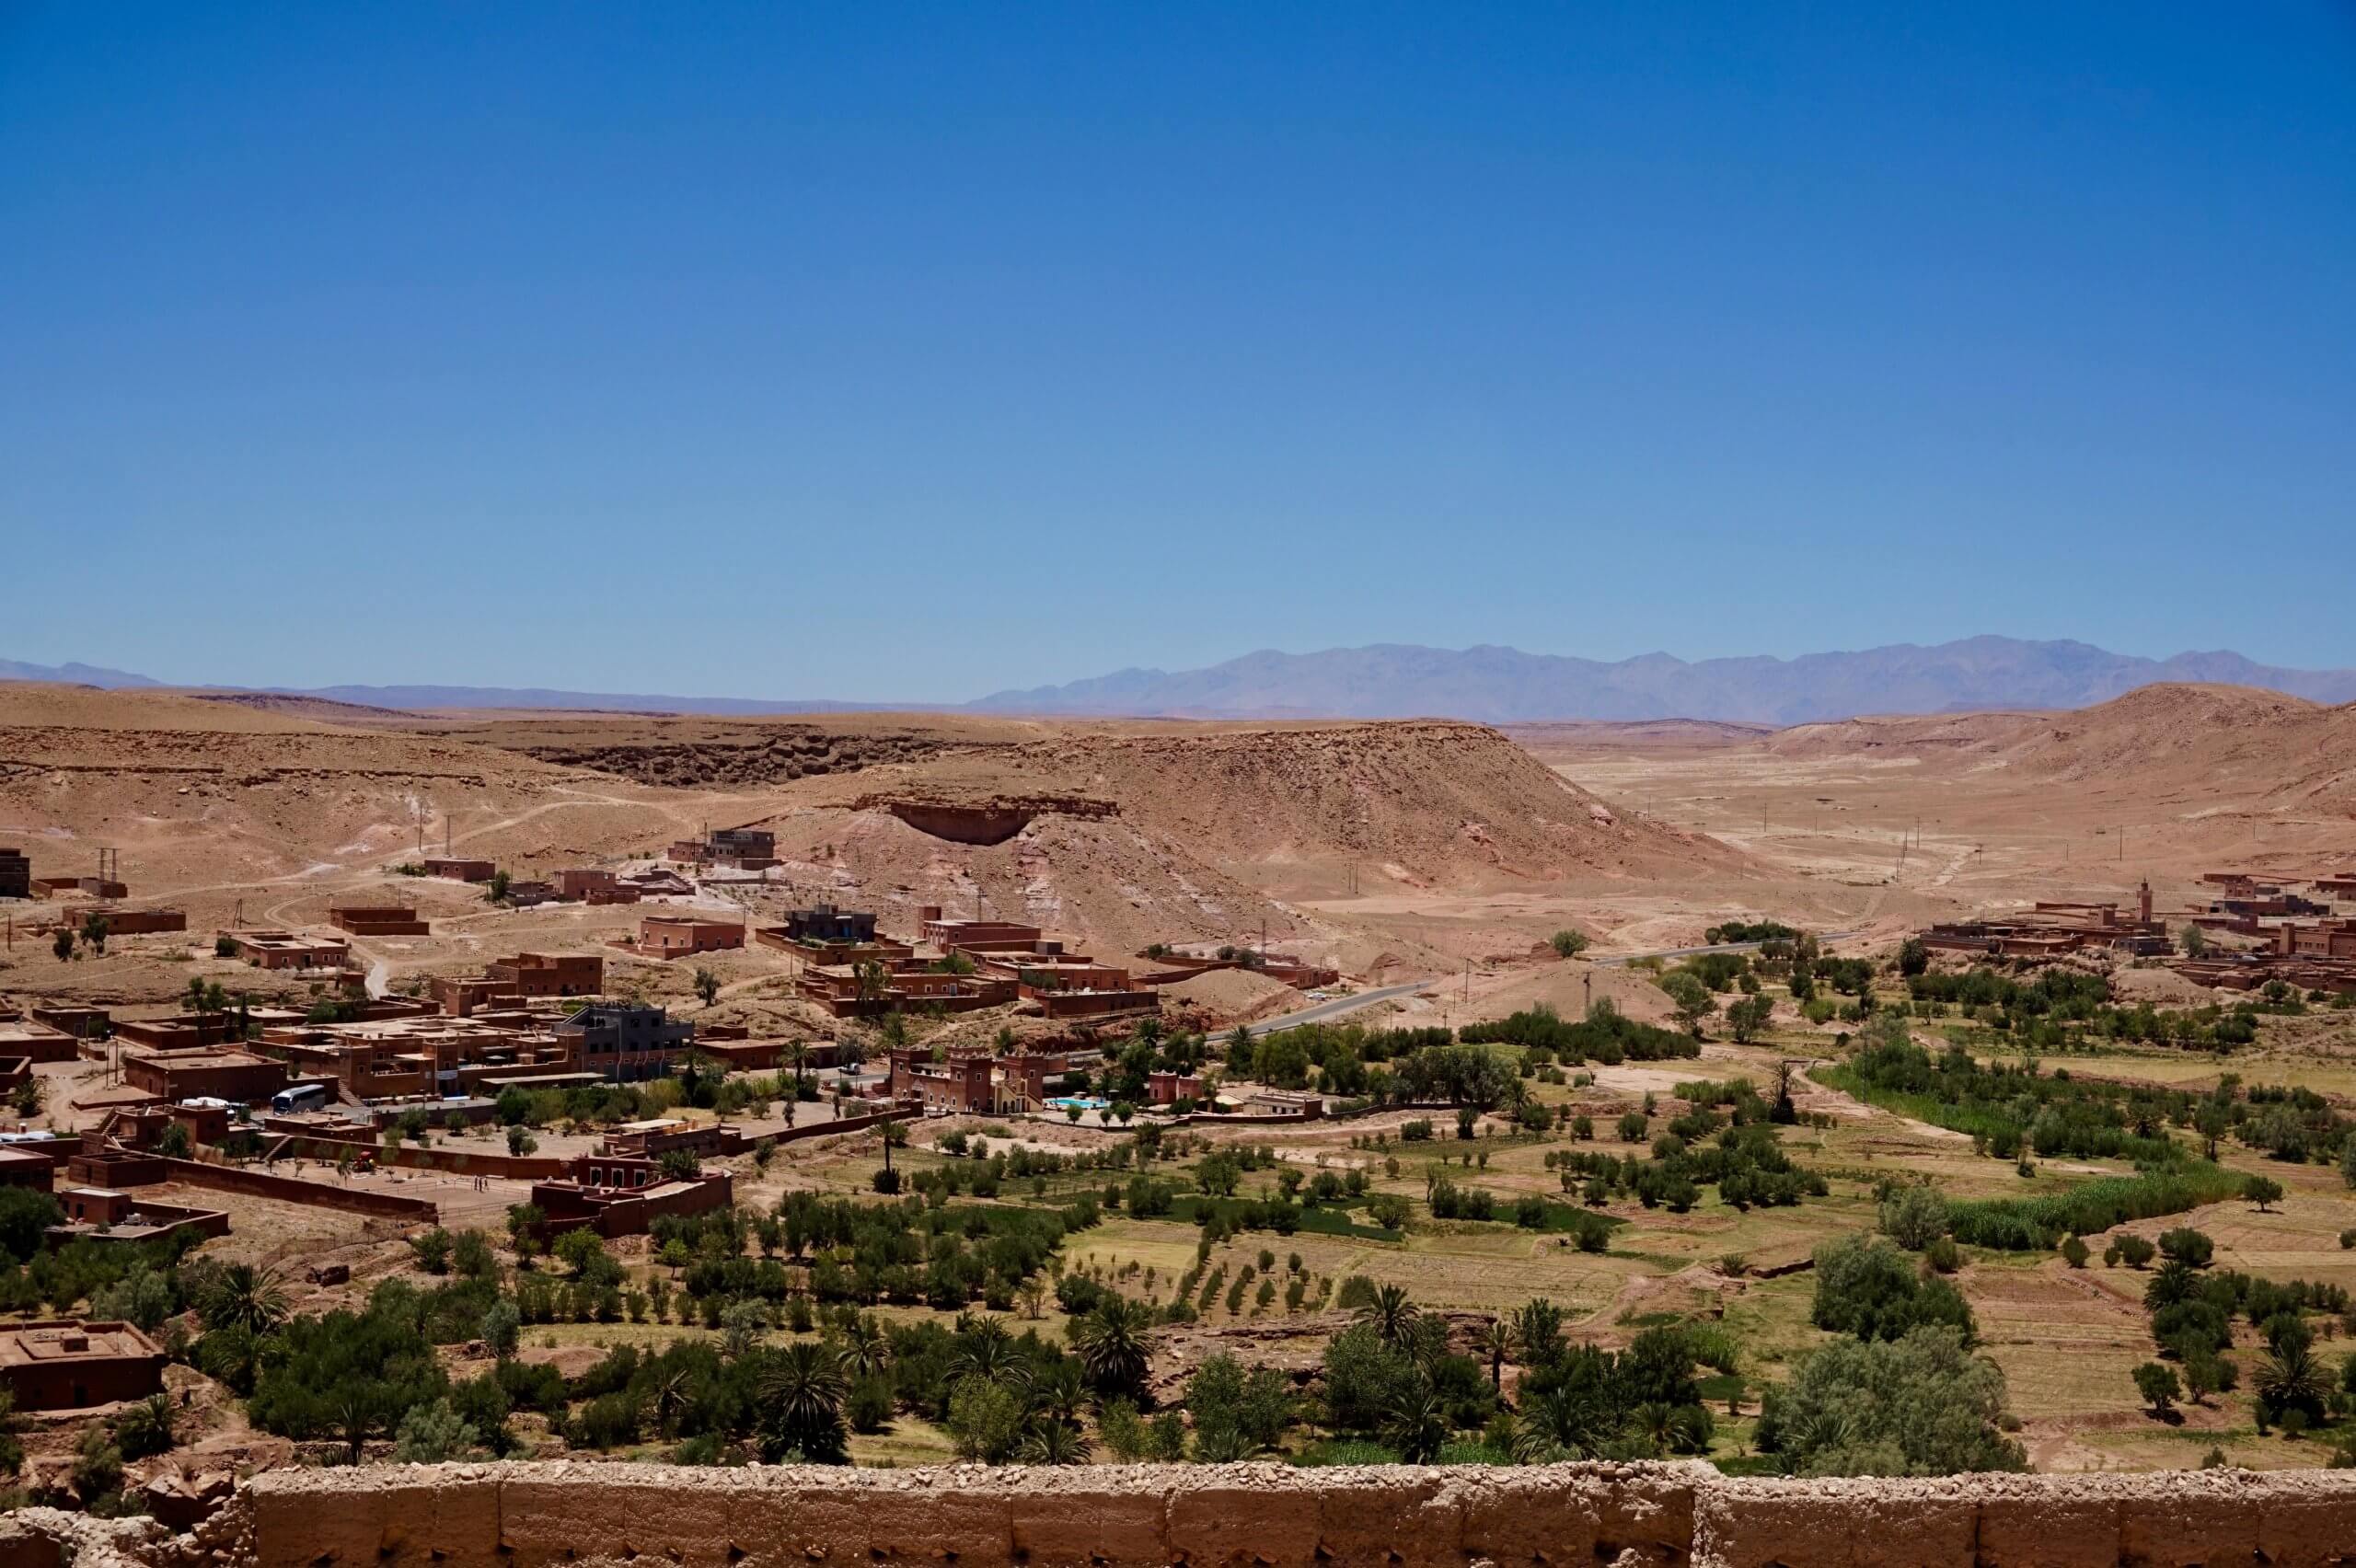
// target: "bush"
[[1914, 1216], [2158, 1387], [1871, 1289], [1920, 1404], [2186, 1246]]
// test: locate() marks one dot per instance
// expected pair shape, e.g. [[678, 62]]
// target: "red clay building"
[[378, 920], [680, 935], [206, 1073], [23, 1168], [38, 1042], [460, 867], [549, 975], [618, 1195], [65, 1363]]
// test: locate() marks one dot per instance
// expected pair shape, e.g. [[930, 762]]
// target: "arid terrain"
[[1436, 857]]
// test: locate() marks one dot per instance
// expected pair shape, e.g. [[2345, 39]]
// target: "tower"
[[2143, 901]]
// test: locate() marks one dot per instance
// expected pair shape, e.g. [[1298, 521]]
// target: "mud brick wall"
[[1677, 1516]]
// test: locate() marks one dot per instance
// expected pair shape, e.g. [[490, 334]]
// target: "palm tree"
[[985, 1351], [1417, 1427], [243, 1296], [1537, 1332], [1053, 1443], [1566, 1422], [351, 1412], [1054, 1389], [1391, 1314], [2288, 1378], [801, 1391], [670, 1398], [1498, 1338], [1110, 1342], [865, 1351]]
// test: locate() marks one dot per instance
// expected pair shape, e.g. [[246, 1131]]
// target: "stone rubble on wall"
[[1252, 1516]]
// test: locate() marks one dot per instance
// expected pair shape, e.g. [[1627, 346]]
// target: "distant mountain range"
[[72, 674], [1504, 685], [1491, 685]]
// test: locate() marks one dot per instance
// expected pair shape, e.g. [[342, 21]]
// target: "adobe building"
[[137, 922], [378, 920], [16, 873], [838, 989], [670, 937], [976, 936], [81, 1023], [823, 934], [549, 975], [207, 1072], [288, 950], [27, 1167], [2322, 939], [67, 1364], [114, 1216], [583, 883], [2054, 928], [746, 848], [623, 1194], [959, 1086], [1170, 968], [429, 1056], [38, 1042], [623, 1041], [185, 1032], [1167, 1089], [459, 868]]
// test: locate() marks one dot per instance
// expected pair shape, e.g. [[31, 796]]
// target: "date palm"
[[1110, 1341], [801, 1392], [865, 1349], [1417, 1425], [1392, 1315], [243, 1296], [1497, 1342], [985, 1351], [1053, 1443]]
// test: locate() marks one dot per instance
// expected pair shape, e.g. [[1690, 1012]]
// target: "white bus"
[[302, 1097]]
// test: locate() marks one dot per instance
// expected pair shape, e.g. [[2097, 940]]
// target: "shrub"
[[1920, 1404], [1870, 1289], [1914, 1216], [2158, 1387]]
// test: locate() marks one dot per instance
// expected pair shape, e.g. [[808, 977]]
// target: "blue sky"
[[882, 352]]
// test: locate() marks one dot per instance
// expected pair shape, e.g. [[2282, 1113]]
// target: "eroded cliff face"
[[527, 1515]]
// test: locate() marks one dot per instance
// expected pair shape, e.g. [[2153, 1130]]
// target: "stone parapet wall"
[[1677, 1515]]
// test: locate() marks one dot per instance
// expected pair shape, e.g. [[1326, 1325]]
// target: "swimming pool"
[[1086, 1102]]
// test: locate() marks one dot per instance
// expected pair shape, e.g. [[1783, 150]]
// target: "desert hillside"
[[1116, 834], [2233, 739]]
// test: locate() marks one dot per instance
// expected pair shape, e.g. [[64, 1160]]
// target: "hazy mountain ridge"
[[1497, 685], [1487, 685]]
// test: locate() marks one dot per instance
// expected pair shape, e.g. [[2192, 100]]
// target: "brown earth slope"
[[1117, 833]]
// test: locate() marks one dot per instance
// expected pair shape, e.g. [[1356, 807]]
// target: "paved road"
[[1325, 1013]]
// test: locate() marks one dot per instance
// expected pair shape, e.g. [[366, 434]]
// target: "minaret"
[[2143, 901]]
